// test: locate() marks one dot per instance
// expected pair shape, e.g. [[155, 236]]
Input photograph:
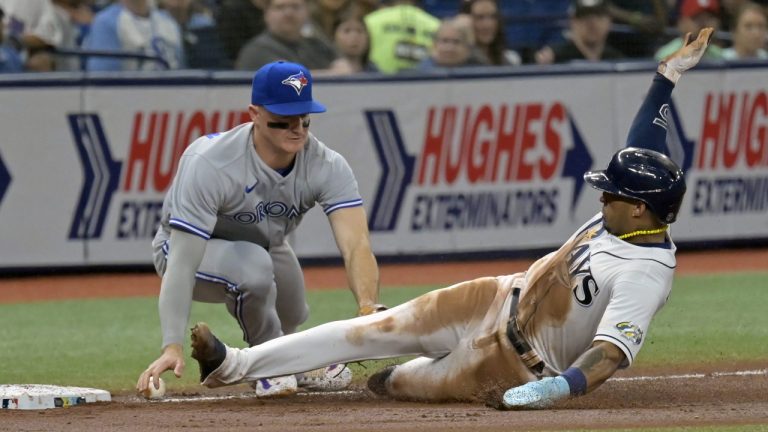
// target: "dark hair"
[[744, 8], [499, 43], [351, 12]]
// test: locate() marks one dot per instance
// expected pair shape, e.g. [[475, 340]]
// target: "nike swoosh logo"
[[251, 188]]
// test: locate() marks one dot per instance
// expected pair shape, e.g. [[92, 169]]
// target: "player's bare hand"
[[371, 308], [687, 56], [171, 359]]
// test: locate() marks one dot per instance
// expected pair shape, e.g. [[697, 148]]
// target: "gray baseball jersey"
[[224, 190], [224, 193]]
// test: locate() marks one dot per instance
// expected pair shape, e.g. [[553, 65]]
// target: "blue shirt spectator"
[[10, 60], [134, 27]]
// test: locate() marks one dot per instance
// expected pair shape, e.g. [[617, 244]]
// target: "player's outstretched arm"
[[649, 128], [174, 304], [586, 374], [350, 229]]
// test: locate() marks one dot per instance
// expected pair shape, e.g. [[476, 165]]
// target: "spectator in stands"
[[10, 60], [202, 47], [324, 14], [730, 8], [31, 25], [135, 27], [694, 16], [750, 34], [283, 40], [589, 23], [646, 19], [352, 41], [488, 28], [239, 21], [452, 47], [75, 18], [401, 35]]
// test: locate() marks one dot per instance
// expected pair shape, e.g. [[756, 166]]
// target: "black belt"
[[527, 354]]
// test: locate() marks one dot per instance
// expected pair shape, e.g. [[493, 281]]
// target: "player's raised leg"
[[430, 325], [292, 308]]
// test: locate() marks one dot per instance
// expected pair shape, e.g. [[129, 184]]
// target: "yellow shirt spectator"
[[401, 36]]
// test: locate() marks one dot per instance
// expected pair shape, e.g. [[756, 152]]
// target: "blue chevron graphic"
[[577, 162], [101, 172], [5, 179], [397, 169]]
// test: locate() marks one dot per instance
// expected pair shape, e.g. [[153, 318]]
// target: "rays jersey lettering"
[[585, 288], [616, 288], [224, 190]]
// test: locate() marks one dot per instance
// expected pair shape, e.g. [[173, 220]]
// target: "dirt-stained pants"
[[458, 331]]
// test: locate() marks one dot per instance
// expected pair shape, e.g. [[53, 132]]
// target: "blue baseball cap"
[[284, 88]]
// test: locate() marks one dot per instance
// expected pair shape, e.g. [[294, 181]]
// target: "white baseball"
[[152, 392]]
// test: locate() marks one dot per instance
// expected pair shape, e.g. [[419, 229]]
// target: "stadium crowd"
[[341, 37]]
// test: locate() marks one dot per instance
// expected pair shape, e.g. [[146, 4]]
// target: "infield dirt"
[[699, 396]]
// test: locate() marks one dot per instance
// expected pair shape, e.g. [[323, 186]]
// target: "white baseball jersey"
[[224, 190], [616, 289], [37, 17]]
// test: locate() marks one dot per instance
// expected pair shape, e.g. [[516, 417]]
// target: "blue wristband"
[[576, 381]]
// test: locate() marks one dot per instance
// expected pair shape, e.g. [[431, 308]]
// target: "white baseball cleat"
[[275, 386], [330, 378]]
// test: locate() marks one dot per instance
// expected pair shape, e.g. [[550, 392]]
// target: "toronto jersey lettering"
[[224, 190], [616, 289]]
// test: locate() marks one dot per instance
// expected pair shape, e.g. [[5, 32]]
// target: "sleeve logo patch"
[[630, 331]]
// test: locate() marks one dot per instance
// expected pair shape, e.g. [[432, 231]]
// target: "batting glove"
[[536, 394], [686, 57]]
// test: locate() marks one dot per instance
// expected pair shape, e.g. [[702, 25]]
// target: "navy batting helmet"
[[645, 175]]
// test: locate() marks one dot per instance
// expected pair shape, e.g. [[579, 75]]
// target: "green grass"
[[107, 343], [711, 319]]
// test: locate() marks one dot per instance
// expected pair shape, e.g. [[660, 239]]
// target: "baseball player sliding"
[[526, 340], [235, 198]]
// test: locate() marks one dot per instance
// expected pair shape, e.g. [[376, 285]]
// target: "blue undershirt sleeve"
[[649, 128]]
